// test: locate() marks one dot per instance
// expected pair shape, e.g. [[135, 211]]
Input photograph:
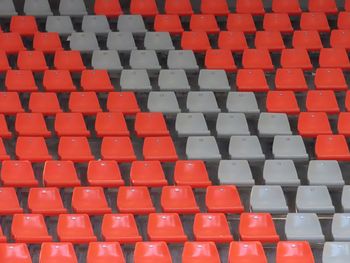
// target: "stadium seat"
[[289, 147], [85, 102], [158, 41], [251, 80], [31, 124], [340, 39], [128, 200], [340, 227], [168, 23], [191, 124], [173, 80], [277, 22], [178, 199], [197, 41], [60, 24], [202, 101], [257, 59], [144, 7], [314, 199], [311, 124], [183, 59], [20, 81], [280, 172], [296, 58], [270, 40], [11, 43], [147, 173], [334, 58], [205, 252], [124, 102], [69, 60], [131, 23], [150, 124], [330, 79], [343, 123], [74, 148], [119, 149], [9, 203], [60, 174], [47, 42], [108, 8], [46, 201], [159, 148], [99, 252], [269, 198], [282, 102], [290, 79], [202, 148], [254, 7], [307, 39], [17, 174], [44, 102], [213, 80], [14, 252], [223, 199], [219, 8], [324, 101], [204, 23], [104, 173], [151, 251], [246, 251], [144, 59], [72, 8], [84, 42], [176, 7], [245, 147], [240, 176], [10, 103], [336, 251], [33, 149], [97, 24], [58, 81], [193, 173], [220, 59], [106, 59], [325, 6], [343, 21], [70, 124], [314, 21], [292, 251], [240, 23], [57, 251], [96, 80], [228, 124], [23, 25], [110, 124], [326, 173], [332, 147], [8, 8], [135, 80], [232, 40]]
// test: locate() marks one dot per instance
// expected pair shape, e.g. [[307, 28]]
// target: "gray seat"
[[303, 226], [121, 41], [336, 252], [144, 59], [271, 124], [345, 198], [202, 148], [159, 41], [95, 24], [61, 24], [106, 59], [7, 8], [135, 80], [72, 8], [202, 101], [131, 23], [289, 147], [39, 8], [313, 199], [280, 172], [191, 124], [163, 101], [173, 80], [213, 80], [326, 173], [341, 227], [268, 198], [182, 59], [244, 102], [245, 147], [84, 42], [236, 172], [228, 124]]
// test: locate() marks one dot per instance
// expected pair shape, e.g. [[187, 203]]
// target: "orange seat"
[[343, 20], [117, 148], [257, 227], [31, 124], [124, 102], [211, 227], [204, 23], [20, 81], [150, 124], [31, 60], [178, 199], [4, 131], [29, 228], [330, 79], [270, 40], [11, 43], [58, 81], [205, 252], [90, 200], [251, 251], [218, 8], [309, 40], [232, 40], [257, 59], [197, 41], [143, 7], [220, 59], [109, 8], [340, 39], [76, 149], [104, 173], [251, 80], [147, 173], [47, 42], [96, 80], [223, 199], [294, 251], [296, 58], [159, 148], [282, 101], [101, 252], [241, 23], [70, 124], [52, 252], [10, 103], [60, 174], [44, 102], [254, 7], [332, 147], [9, 203], [311, 124], [324, 6], [46, 201], [111, 124], [128, 200], [165, 227], [84, 102], [152, 252], [33, 149], [23, 25], [69, 60], [4, 63], [3, 153], [178, 7], [14, 253], [192, 173], [314, 21], [121, 228], [18, 174], [290, 79], [322, 100], [277, 22], [168, 23], [344, 123], [75, 228]]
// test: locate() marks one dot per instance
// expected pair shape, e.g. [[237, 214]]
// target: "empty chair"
[[232, 40], [173, 80], [60, 174], [20, 81], [18, 174], [70, 60], [70, 124], [96, 80], [39, 8], [249, 250], [241, 22], [254, 7], [332, 147], [147, 173], [290, 79], [245, 147], [168, 23], [181, 8], [314, 21], [343, 20], [314, 199], [341, 227], [251, 80], [223, 199], [196, 41], [83, 42], [325, 173], [108, 8], [31, 124], [271, 40], [296, 58], [128, 200], [12, 252], [90, 200], [307, 39], [104, 173], [235, 172], [204, 23], [334, 58], [150, 124], [192, 173], [31, 60], [131, 23], [10, 103], [9, 203], [340, 39], [135, 80], [178, 199], [289, 147], [323, 100], [213, 80], [7, 8], [202, 101], [200, 251], [11, 43], [271, 124], [328, 6], [144, 59], [228, 124], [218, 59], [151, 251], [336, 252], [219, 8], [244, 102], [104, 251], [24, 25], [330, 78], [257, 59], [61, 24], [56, 251], [84, 102], [107, 60], [311, 124], [160, 148], [268, 199], [117, 148], [124, 102], [292, 251], [32, 148], [58, 81], [163, 101], [280, 172], [277, 22], [158, 41], [74, 148], [121, 41], [97, 24], [202, 148], [146, 8], [72, 8], [343, 123], [182, 59]]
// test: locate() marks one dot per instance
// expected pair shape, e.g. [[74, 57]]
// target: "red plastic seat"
[[109, 8], [294, 251], [330, 79], [4, 131], [29, 228], [197, 41], [205, 252], [192, 173], [3, 153], [143, 7], [159, 148], [70, 124], [311, 124], [20, 81], [211, 227], [111, 124], [124, 102], [150, 124], [178, 7], [11, 43], [322, 100], [178, 199], [18, 174], [31, 60], [314, 21], [90, 200], [152, 252], [9, 203], [254, 7], [58, 81], [33, 149], [23, 25], [220, 59], [223, 199], [309, 40], [10, 103], [282, 101], [121, 228], [75, 228], [84, 102], [117, 148], [241, 23], [277, 22], [4, 63], [31, 124], [52, 252], [128, 200], [96, 80], [296, 58], [332, 147], [104, 173], [44, 102], [60, 174], [168, 23], [290, 79], [47, 42], [147, 173], [46, 201], [343, 20], [204, 23], [75, 148], [14, 253], [340, 39], [218, 8], [69, 59], [251, 251], [251, 80], [232, 40], [165, 227], [101, 252], [325, 6], [270, 40], [344, 123], [257, 59], [257, 227]]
